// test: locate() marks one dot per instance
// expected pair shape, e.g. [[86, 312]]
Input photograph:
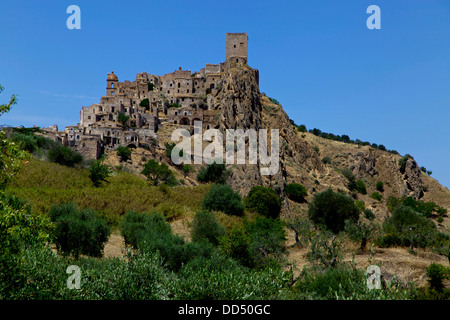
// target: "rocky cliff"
[[238, 103]]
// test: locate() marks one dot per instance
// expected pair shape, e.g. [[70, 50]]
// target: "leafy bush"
[[264, 201], [123, 119], [267, 239], [19, 230], [215, 173], [145, 103], [64, 155], [206, 227], [79, 231], [437, 273], [326, 160], [135, 224], [376, 196], [330, 209], [344, 283], [26, 142], [325, 250], [361, 205], [369, 215], [221, 278], [301, 128], [302, 230], [351, 179], [223, 198], [406, 227], [170, 211], [150, 233], [275, 101], [360, 232], [124, 153], [99, 172], [237, 245], [296, 192], [380, 186], [156, 173], [42, 276], [425, 208], [361, 187], [169, 148], [186, 169]]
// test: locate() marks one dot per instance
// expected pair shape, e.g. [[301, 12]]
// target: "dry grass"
[[44, 184]]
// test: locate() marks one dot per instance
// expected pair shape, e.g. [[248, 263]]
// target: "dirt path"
[[114, 246]]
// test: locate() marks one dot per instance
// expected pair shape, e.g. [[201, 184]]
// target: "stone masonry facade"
[[147, 104]]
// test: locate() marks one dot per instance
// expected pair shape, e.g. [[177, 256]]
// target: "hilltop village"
[[131, 113]]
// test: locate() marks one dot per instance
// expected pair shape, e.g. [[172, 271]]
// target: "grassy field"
[[44, 183]]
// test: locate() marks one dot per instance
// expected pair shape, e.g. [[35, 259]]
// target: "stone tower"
[[237, 45], [111, 84]]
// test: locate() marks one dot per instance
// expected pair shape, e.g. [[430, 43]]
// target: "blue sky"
[[318, 58]]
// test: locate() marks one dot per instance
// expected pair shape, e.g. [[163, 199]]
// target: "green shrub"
[[123, 119], [237, 245], [264, 201], [150, 233], [64, 155], [223, 198], [296, 192], [437, 273], [361, 187], [170, 211], [19, 230], [326, 160], [325, 250], [361, 205], [156, 173], [186, 169], [79, 231], [380, 186], [351, 179], [134, 225], [267, 241], [427, 209], [215, 173], [376, 196], [360, 232], [124, 153], [206, 227], [26, 142], [392, 203], [369, 215], [330, 209], [301, 128], [169, 148], [275, 101], [221, 278], [406, 227], [99, 172], [42, 275], [145, 103], [344, 283]]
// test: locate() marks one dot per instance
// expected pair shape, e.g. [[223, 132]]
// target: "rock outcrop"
[[412, 178]]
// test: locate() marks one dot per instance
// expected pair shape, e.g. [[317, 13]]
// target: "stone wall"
[[236, 45]]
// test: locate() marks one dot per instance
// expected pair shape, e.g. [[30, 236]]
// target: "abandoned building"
[[131, 113]]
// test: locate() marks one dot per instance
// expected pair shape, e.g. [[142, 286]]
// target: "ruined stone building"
[[148, 103]]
